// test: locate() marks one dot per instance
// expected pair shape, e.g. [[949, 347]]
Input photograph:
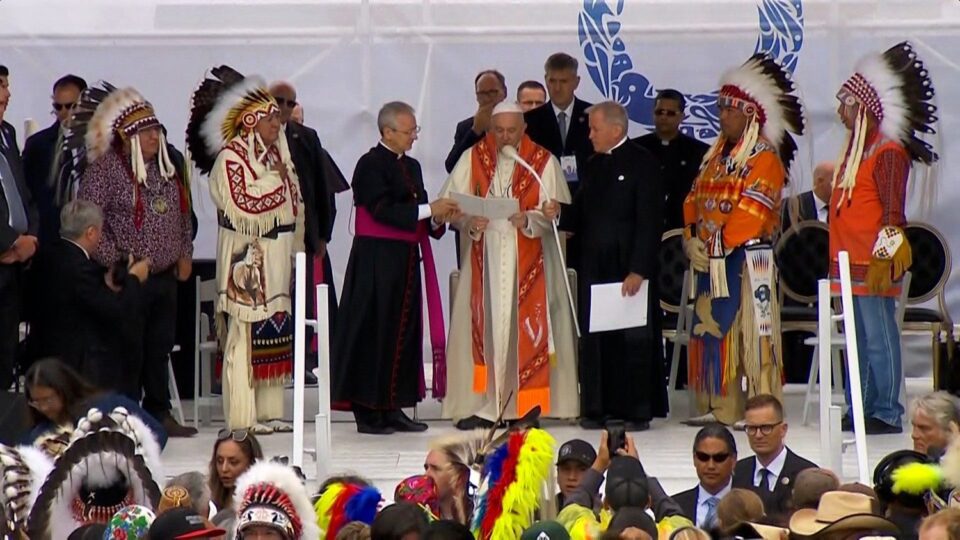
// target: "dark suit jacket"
[[776, 502], [7, 235], [39, 153], [542, 127], [688, 502], [680, 163], [308, 157], [81, 320], [464, 137], [805, 207]]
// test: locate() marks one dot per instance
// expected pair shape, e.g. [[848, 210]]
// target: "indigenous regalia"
[[503, 343], [732, 212], [272, 495], [112, 461], [260, 216], [891, 93]]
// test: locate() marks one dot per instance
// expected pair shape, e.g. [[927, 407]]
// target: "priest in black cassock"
[[616, 213], [679, 154], [377, 347]]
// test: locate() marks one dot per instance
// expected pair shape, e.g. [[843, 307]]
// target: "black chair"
[[674, 285], [930, 271]]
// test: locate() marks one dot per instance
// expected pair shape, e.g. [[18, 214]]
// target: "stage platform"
[[665, 449]]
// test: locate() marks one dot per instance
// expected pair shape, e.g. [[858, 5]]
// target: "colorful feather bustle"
[[514, 475], [341, 504]]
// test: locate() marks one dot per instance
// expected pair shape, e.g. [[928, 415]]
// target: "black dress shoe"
[[592, 423], [174, 429], [309, 379], [636, 425], [473, 422], [875, 426], [846, 424], [399, 421], [374, 429]]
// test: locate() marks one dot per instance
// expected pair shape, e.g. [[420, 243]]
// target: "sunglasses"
[[717, 458], [283, 102], [666, 112], [238, 435], [62, 106]]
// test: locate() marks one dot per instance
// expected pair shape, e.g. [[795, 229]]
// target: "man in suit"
[[41, 158], [18, 236], [561, 124], [308, 157], [771, 472], [491, 88], [813, 204], [714, 457], [85, 312]]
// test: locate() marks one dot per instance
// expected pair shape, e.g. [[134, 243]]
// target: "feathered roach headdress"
[[895, 88], [23, 470], [341, 503], [113, 461], [224, 106], [272, 495], [762, 89]]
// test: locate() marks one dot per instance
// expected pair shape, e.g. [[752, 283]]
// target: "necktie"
[[18, 216], [711, 512], [764, 481], [562, 122]]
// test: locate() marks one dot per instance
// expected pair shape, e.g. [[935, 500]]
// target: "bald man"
[[812, 204]]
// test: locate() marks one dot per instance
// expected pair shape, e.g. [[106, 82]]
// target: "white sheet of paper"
[[489, 207], [610, 310]]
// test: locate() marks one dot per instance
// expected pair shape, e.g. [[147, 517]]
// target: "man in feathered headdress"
[[884, 105], [729, 216], [117, 137], [234, 136], [270, 498]]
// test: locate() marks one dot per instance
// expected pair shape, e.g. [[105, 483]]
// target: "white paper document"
[[610, 310], [488, 207]]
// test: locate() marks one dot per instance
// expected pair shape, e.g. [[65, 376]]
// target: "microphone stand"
[[512, 153]]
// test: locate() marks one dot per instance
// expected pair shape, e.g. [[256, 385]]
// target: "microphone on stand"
[[511, 152]]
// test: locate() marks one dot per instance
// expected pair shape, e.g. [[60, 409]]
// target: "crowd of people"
[[103, 477]]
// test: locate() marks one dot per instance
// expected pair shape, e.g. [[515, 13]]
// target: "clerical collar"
[[399, 156], [618, 145]]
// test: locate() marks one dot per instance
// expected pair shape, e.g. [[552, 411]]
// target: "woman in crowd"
[[233, 453], [58, 396]]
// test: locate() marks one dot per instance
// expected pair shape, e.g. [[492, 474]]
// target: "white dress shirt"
[[568, 110], [822, 208], [775, 467], [703, 495]]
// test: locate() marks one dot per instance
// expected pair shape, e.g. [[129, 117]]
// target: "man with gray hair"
[[617, 216], [86, 313], [931, 416], [377, 366]]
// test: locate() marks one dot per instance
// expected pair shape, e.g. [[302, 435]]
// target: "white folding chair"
[[204, 350], [175, 404]]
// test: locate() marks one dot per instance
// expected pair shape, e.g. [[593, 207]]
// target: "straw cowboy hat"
[[754, 531], [840, 511]]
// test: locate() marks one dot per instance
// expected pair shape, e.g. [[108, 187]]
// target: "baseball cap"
[[545, 530], [626, 484], [577, 450], [182, 524]]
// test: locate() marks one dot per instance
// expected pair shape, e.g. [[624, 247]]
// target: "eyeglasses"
[[765, 429], [408, 132], [42, 402], [284, 102], [666, 112], [717, 458], [238, 435], [61, 106]]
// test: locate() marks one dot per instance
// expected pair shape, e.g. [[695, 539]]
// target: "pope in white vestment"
[[511, 329]]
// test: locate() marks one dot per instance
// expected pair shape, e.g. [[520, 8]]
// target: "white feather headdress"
[[269, 488]]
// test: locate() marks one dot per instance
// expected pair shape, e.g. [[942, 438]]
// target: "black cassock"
[[377, 347], [679, 164], [617, 215]]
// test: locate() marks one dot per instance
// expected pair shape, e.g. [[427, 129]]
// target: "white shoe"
[[260, 429], [279, 426], [702, 420]]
